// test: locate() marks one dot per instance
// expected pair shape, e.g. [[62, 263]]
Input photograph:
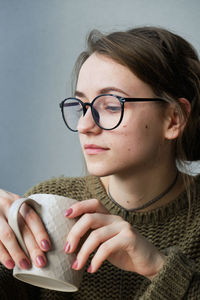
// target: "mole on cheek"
[[146, 126]]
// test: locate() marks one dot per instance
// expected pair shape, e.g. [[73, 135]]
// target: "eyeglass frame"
[[121, 99]]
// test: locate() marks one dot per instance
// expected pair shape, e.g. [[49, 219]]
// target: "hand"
[[33, 233], [112, 238]]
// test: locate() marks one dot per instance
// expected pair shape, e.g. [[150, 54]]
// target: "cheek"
[[136, 140]]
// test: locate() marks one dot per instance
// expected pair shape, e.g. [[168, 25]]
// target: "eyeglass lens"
[[106, 112]]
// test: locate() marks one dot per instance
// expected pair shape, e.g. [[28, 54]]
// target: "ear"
[[176, 120]]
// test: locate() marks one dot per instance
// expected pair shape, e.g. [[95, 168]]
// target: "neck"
[[132, 192]]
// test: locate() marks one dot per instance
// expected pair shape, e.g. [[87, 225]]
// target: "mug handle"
[[13, 218]]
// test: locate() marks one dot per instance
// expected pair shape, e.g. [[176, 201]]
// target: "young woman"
[[136, 108]]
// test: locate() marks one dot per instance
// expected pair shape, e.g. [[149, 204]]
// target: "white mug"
[[57, 274]]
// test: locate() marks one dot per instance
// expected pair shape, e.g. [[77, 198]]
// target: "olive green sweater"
[[167, 228]]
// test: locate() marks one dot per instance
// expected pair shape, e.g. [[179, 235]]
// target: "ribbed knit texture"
[[168, 228]]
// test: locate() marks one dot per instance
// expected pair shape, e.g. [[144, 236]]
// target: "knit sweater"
[[168, 228]]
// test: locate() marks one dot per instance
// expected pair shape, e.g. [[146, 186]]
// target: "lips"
[[94, 149]]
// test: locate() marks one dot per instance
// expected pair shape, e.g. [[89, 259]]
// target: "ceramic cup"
[[58, 274]]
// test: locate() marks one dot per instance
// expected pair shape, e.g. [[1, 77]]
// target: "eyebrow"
[[103, 91]]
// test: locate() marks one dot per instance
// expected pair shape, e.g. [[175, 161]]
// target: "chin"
[[99, 171]]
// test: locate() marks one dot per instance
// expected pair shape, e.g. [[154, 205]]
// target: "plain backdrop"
[[39, 42]]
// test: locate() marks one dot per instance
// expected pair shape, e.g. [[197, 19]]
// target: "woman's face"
[[138, 142]]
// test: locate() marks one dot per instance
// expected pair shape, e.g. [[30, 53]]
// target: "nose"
[[87, 124]]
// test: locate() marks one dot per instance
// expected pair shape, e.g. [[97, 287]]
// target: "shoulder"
[[196, 186], [194, 201], [196, 189], [72, 187], [197, 179]]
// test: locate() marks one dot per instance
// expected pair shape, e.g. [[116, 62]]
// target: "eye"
[[73, 106], [112, 108]]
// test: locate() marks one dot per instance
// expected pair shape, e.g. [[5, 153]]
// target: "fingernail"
[[89, 269], [75, 264], [67, 247], [24, 264], [10, 264], [45, 245], [40, 261], [68, 212]]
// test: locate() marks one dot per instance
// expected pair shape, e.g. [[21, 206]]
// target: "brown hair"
[[165, 61]]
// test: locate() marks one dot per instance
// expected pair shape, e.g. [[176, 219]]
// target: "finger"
[[9, 195], [5, 258], [11, 245], [10, 242], [36, 254], [36, 226], [85, 206], [95, 238], [106, 249], [6, 199], [81, 227]]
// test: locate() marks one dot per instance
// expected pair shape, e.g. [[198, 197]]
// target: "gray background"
[[39, 42]]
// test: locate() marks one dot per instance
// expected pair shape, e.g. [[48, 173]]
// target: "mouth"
[[92, 149]]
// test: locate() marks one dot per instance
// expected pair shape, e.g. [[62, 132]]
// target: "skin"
[[33, 232], [131, 170], [145, 151], [131, 167]]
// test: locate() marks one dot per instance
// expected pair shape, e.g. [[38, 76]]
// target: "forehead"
[[98, 65], [99, 72]]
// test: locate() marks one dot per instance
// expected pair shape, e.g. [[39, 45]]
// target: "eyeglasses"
[[107, 110]]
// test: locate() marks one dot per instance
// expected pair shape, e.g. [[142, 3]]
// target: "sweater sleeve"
[[177, 280]]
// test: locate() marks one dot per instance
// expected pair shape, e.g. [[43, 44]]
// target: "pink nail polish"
[[24, 264], [45, 245], [89, 269], [75, 264], [67, 247], [68, 212], [40, 261], [10, 264]]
